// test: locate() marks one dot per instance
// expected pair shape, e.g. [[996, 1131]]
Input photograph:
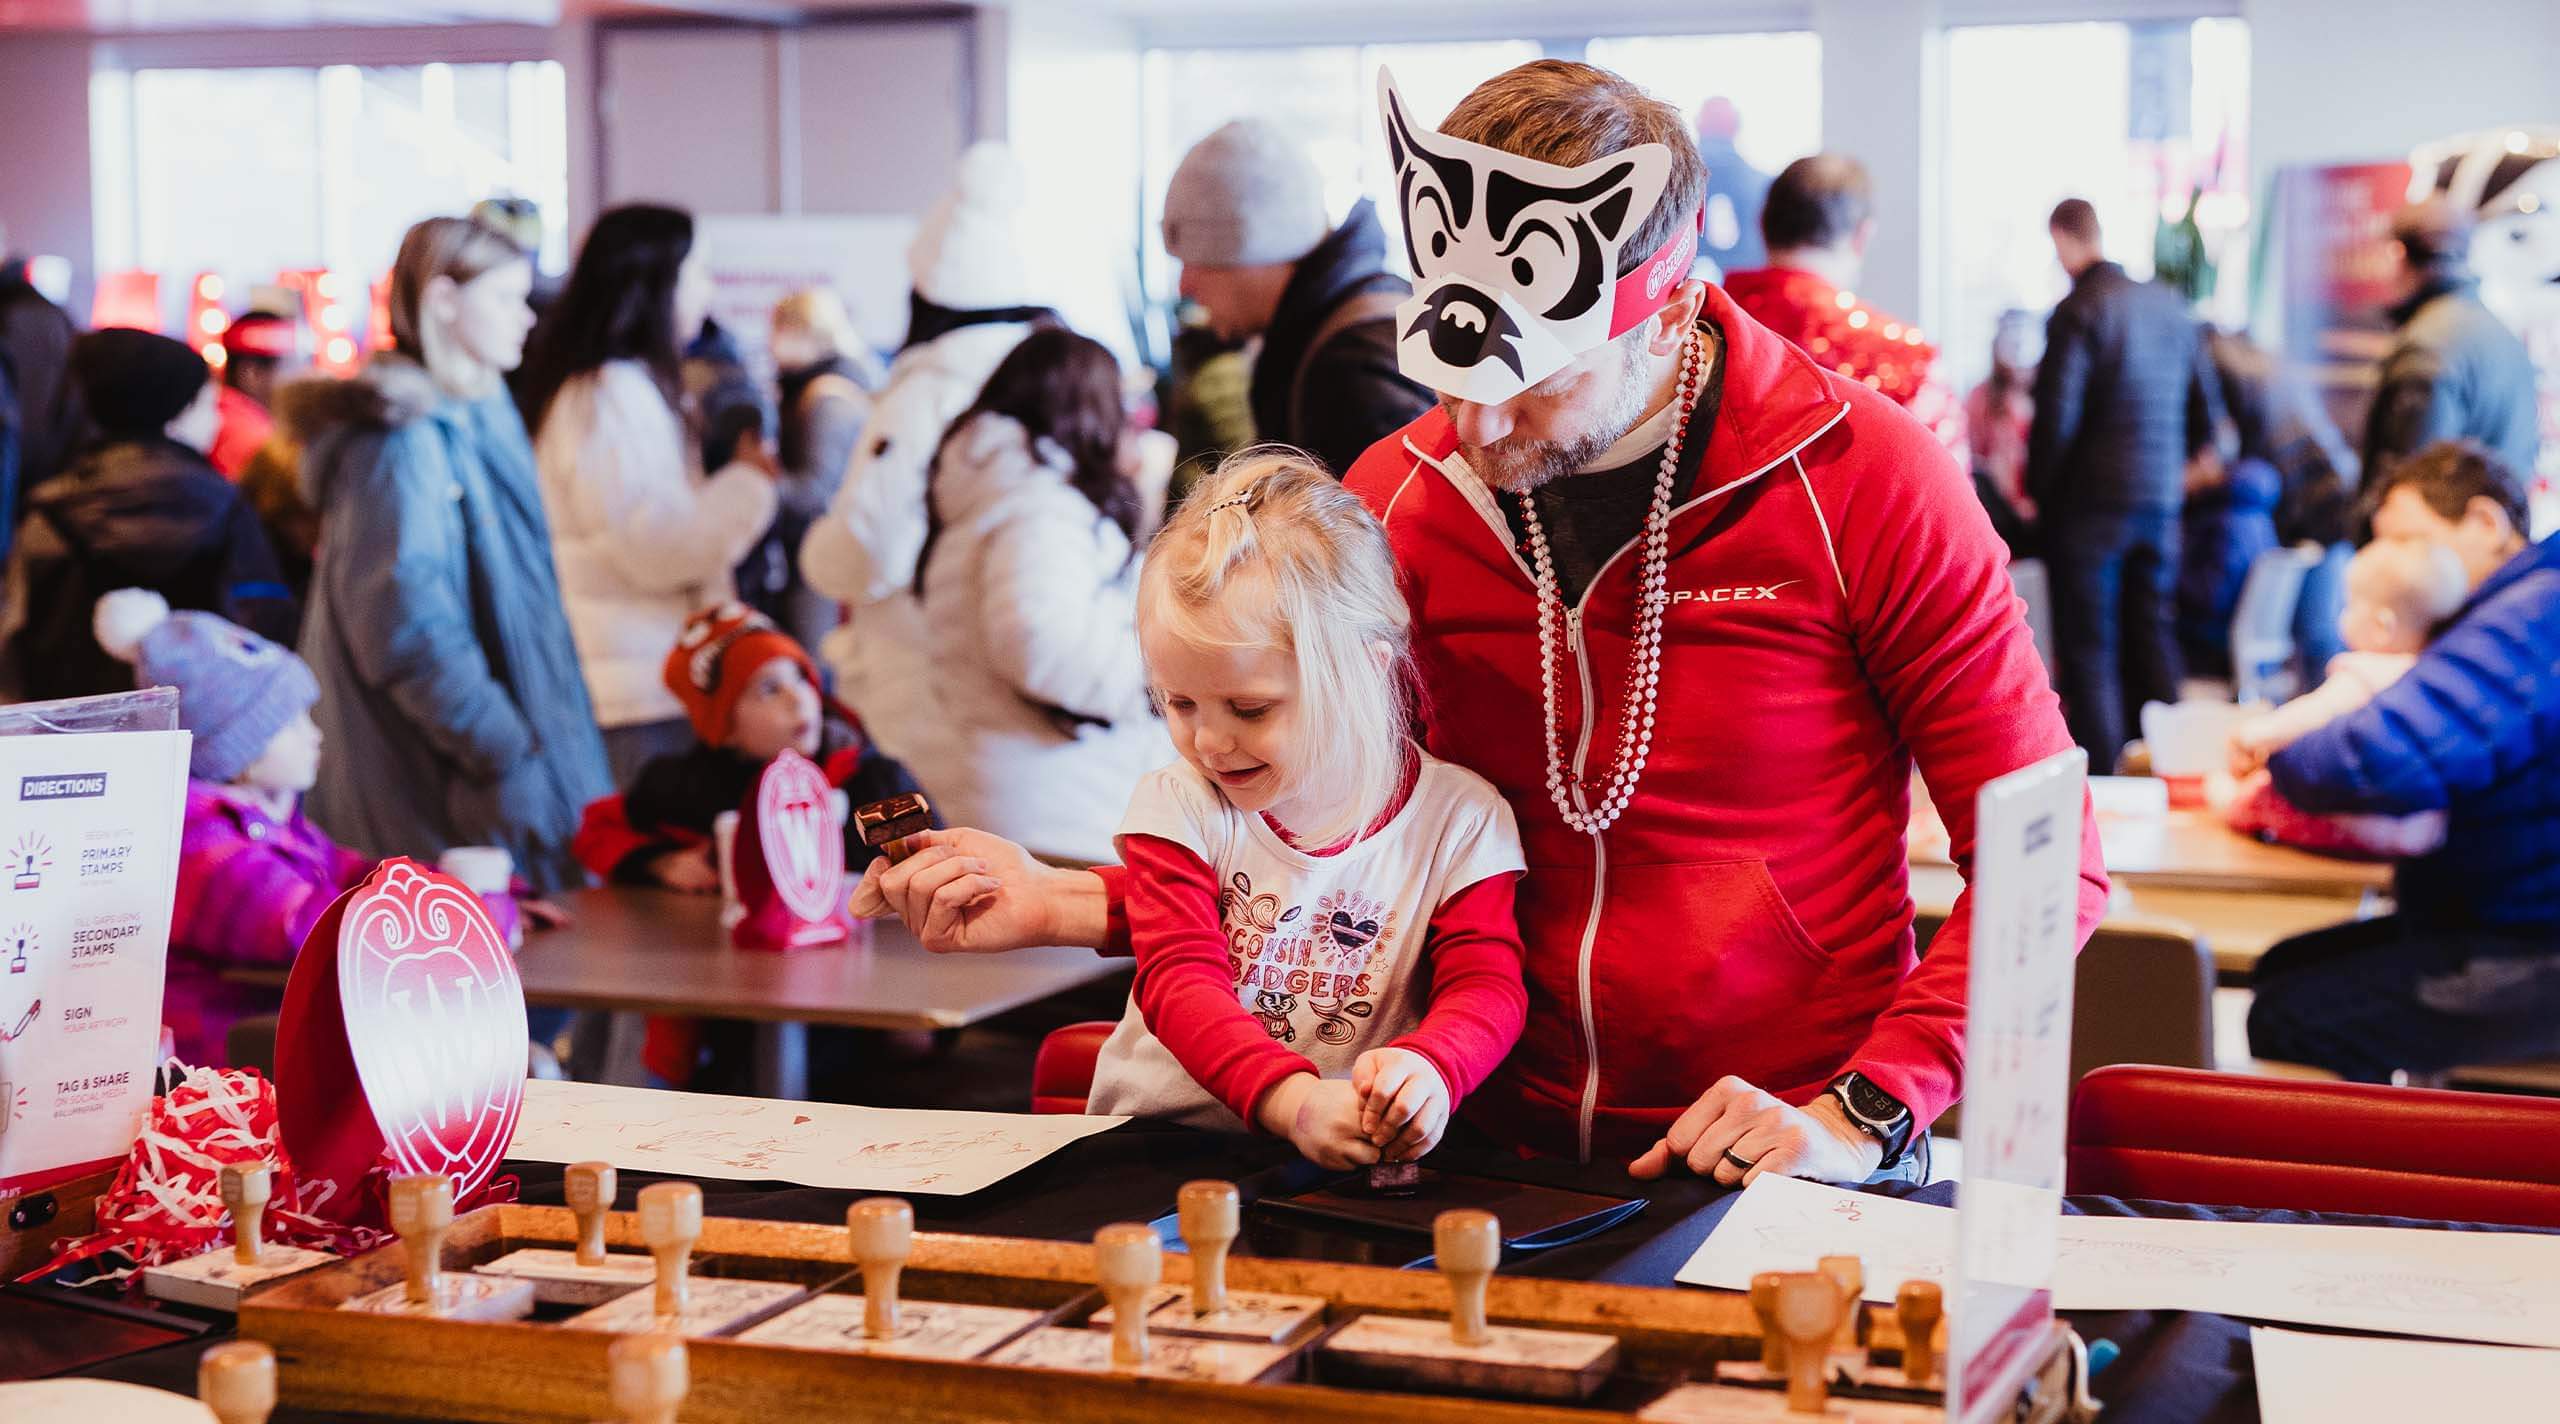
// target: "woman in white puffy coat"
[[1036, 724], [641, 537], [977, 292]]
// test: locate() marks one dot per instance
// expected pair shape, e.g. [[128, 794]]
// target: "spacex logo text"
[[1739, 593]]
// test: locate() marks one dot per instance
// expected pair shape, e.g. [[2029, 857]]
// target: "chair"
[[2142, 992], [2174, 1134], [2262, 625], [1062, 1076]]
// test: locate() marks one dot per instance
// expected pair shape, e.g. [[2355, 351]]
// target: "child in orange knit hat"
[[751, 692]]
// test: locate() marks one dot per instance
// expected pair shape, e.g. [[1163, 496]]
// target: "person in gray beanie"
[[1245, 216], [254, 874]]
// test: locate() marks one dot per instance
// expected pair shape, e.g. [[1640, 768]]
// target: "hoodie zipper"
[[1482, 498]]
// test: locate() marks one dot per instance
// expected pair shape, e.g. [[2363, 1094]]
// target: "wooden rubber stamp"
[[1211, 1214], [882, 1234], [1850, 1275], [1808, 1316], [1764, 1305], [1128, 1261], [421, 1214], [217, 1279], [1469, 1354], [886, 825], [1918, 1309], [646, 1377], [670, 1223], [588, 1275], [237, 1381]]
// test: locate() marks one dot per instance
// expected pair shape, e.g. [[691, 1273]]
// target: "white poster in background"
[[2026, 899], [757, 259], [88, 872]]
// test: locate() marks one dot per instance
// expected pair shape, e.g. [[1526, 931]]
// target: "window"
[[1327, 95], [1771, 115], [249, 173], [2137, 118]]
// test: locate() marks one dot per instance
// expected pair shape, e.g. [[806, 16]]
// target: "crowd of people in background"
[[482, 571]]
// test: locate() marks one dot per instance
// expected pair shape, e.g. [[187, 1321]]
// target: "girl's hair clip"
[[1241, 499]]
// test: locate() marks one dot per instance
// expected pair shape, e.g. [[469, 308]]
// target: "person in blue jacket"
[[2468, 970]]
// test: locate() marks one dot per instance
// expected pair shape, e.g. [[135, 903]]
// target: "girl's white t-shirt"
[[1326, 950]]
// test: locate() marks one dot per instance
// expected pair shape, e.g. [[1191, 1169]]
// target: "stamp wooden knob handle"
[[883, 1230], [670, 1222], [245, 1189], [1850, 1274], [647, 1377], [1212, 1215], [1128, 1260], [1808, 1314], [1917, 1309], [1764, 1305], [590, 1188], [1469, 1245], [421, 1214], [237, 1381]]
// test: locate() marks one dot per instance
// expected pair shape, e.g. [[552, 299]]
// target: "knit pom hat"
[[136, 382], [1245, 196], [974, 250], [717, 655], [236, 690]]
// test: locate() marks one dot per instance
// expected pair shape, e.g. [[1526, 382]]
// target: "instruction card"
[[897, 1150], [2494, 1286], [88, 872]]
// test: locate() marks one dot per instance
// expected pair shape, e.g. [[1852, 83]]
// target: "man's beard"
[[1516, 466]]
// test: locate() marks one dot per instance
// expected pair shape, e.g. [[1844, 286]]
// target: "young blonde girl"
[[1321, 911]]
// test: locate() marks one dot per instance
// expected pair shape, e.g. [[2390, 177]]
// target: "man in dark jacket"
[[2124, 396], [2455, 371], [1245, 217], [2468, 969], [138, 508]]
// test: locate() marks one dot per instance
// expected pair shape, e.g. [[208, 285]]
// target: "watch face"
[[1873, 1103]]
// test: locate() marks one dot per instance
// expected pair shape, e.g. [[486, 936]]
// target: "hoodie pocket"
[[1700, 970]]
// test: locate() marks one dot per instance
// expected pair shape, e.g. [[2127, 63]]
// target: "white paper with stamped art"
[[2025, 885], [88, 874], [2356, 1379], [2498, 1287], [832, 1145]]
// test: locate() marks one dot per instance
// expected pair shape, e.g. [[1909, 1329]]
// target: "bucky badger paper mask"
[[1515, 261]]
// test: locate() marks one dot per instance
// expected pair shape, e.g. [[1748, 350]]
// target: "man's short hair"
[[1557, 111], [2075, 218], [2448, 475], [1818, 201]]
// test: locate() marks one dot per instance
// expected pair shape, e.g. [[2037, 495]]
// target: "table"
[[631, 952], [2176, 1367], [2188, 849], [2238, 927]]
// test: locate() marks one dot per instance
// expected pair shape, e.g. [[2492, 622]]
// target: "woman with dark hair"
[[1039, 725], [447, 691], [642, 538]]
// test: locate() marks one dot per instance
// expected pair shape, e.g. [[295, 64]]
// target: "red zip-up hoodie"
[[1839, 609]]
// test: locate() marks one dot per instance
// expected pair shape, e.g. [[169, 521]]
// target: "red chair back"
[[1062, 1076], [2223, 1139]]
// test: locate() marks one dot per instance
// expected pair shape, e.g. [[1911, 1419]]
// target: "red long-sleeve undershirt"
[[1186, 984]]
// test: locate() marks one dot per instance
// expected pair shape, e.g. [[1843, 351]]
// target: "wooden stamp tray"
[[538, 1372]]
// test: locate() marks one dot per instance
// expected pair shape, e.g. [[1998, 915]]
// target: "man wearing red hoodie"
[[1697, 606]]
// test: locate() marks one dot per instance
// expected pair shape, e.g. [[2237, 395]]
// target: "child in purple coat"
[[253, 874]]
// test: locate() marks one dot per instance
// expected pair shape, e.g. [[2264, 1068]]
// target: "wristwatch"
[[1875, 1112]]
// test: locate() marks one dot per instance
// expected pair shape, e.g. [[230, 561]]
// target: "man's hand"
[[1404, 1107], [1321, 1118], [968, 892], [1736, 1123]]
